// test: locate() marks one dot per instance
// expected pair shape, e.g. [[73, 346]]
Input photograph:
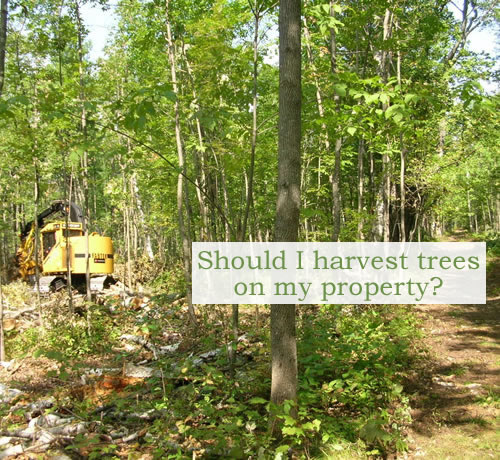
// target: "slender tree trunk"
[[283, 335], [68, 246], [469, 205], [37, 244], [253, 146], [402, 168], [383, 57], [337, 203], [147, 236], [85, 158], [2, 337], [497, 217], [129, 256], [199, 160], [442, 137], [3, 41], [402, 192], [181, 179], [335, 176], [361, 152]]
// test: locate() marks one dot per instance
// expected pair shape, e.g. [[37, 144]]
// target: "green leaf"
[[411, 97], [170, 95], [19, 99], [89, 106], [340, 89], [390, 110], [282, 449], [398, 117], [55, 355], [372, 431], [397, 389], [293, 431], [351, 130], [369, 98], [384, 98]]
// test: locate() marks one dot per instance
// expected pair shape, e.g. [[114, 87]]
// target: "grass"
[[463, 444]]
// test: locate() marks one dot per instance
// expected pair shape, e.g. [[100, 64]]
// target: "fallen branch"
[[13, 314], [141, 341]]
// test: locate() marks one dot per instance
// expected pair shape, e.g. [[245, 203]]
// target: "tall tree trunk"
[[469, 204], [147, 236], [2, 337], [199, 160], [181, 179], [337, 203], [85, 158], [253, 145], [335, 176], [68, 191], [383, 57], [402, 192], [37, 244], [361, 152], [3, 41], [283, 335]]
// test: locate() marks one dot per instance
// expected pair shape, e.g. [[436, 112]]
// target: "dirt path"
[[457, 397]]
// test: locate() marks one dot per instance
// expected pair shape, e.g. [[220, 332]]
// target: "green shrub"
[[352, 362]]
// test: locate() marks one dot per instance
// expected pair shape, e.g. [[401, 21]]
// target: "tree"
[[283, 338], [3, 40]]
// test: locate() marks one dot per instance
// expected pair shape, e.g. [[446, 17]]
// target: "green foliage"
[[353, 361], [349, 231], [170, 280], [67, 339]]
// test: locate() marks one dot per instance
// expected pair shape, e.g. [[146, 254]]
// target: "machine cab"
[[54, 236]]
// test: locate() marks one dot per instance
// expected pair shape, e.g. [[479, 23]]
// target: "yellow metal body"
[[53, 251]]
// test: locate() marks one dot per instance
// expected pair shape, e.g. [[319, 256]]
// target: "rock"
[[4, 440], [169, 348], [11, 451], [7, 364], [8, 394], [49, 421], [140, 372]]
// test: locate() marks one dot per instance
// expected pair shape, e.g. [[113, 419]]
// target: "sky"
[[100, 25]]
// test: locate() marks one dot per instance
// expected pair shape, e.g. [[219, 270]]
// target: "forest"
[[243, 121]]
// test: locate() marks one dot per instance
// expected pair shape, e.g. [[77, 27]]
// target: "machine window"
[[72, 233], [49, 240]]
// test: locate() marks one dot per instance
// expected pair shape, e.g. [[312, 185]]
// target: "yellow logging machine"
[[56, 238]]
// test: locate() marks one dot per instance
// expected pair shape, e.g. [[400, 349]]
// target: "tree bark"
[[3, 41], [148, 247], [402, 192], [68, 191], [361, 152], [37, 243], [253, 146], [199, 160], [383, 57], [181, 179], [85, 158], [335, 176], [469, 204], [2, 338], [283, 335]]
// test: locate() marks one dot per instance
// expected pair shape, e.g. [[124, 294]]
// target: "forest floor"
[[457, 399], [115, 398]]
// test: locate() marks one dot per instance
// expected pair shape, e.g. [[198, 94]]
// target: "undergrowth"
[[353, 361]]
